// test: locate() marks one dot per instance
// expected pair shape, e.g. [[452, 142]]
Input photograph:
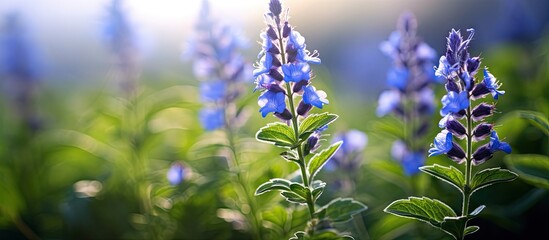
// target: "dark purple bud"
[[399, 110], [299, 85], [450, 57], [452, 86], [456, 128], [472, 65], [463, 57], [276, 75], [482, 154], [312, 143], [481, 111], [303, 108], [274, 50], [454, 40], [272, 33], [285, 115], [276, 62], [275, 88], [286, 30], [456, 153], [407, 22], [275, 7], [460, 114], [480, 91], [482, 131]]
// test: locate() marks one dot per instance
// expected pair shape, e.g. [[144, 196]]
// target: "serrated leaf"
[[424, 209], [320, 159], [531, 168], [300, 190], [273, 184], [491, 176], [278, 134], [454, 226], [290, 155], [293, 197], [451, 175], [314, 122], [341, 209], [470, 230]]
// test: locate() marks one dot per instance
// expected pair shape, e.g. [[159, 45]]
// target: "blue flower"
[[18, 56], [496, 145], [314, 97], [492, 84], [264, 65], [454, 102], [442, 143], [266, 45], [176, 174], [398, 78], [411, 162], [391, 46], [296, 72], [446, 70], [296, 40], [271, 101], [304, 56], [212, 118], [212, 91], [388, 101], [264, 81]]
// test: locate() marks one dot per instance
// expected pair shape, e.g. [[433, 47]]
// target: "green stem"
[[302, 166], [468, 164]]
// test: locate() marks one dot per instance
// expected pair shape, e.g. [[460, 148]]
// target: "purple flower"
[[176, 174], [314, 97], [454, 102], [442, 144], [348, 156], [296, 72], [388, 101], [271, 101], [445, 69], [492, 84], [264, 65], [212, 91], [398, 78], [212, 118]]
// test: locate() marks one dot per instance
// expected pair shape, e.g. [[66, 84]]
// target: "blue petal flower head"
[[399, 150], [442, 143], [492, 84], [264, 65], [314, 97], [212, 91], [266, 45], [496, 145], [411, 162], [353, 141], [391, 46], [304, 56], [454, 102], [176, 174], [271, 101], [398, 77], [212, 118], [263, 81], [446, 70], [296, 72], [18, 56], [296, 40], [388, 101]]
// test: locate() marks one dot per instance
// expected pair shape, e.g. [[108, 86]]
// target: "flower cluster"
[[120, 36], [459, 68], [219, 66], [21, 67], [349, 156], [283, 59], [409, 96]]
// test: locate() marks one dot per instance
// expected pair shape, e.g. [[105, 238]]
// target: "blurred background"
[[74, 145]]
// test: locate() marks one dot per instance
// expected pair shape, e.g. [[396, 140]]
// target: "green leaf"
[[477, 211], [537, 119], [318, 188], [454, 226], [278, 134], [531, 168], [298, 236], [290, 155], [277, 215], [490, 176], [320, 159], [424, 209], [341, 209], [470, 230], [293, 197], [314, 122], [273, 184], [300, 190], [450, 175]]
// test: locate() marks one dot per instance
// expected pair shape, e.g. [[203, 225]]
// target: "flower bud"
[[299, 85], [303, 108], [285, 115], [482, 131], [276, 75], [276, 88], [275, 7], [272, 33], [480, 91], [481, 111], [472, 65], [452, 86], [312, 143], [482, 154], [456, 128], [456, 153], [286, 30]]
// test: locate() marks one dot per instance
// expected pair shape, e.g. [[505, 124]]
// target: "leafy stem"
[[468, 163]]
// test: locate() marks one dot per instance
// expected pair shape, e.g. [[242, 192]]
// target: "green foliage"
[[341, 209], [278, 134], [491, 176], [451, 175], [273, 184], [320, 159], [314, 122], [531, 168]]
